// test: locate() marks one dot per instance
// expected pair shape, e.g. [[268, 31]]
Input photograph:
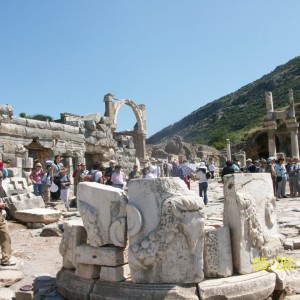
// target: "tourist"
[[154, 169], [65, 183], [211, 169], [227, 170], [236, 166], [262, 167], [55, 176], [118, 178], [36, 177], [75, 178], [5, 240], [280, 171], [109, 171], [135, 173], [46, 184], [146, 173], [3, 170], [203, 176], [97, 175], [83, 172], [270, 169], [257, 166], [249, 168], [291, 170]]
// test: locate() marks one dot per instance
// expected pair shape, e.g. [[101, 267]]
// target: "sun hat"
[[249, 159], [152, 159], [271, 158], [202, 165]]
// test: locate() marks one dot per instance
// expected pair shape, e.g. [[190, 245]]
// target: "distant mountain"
[[238, 114]]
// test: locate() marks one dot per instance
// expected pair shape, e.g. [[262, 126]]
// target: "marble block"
[[115, 274], [73, 236], [103, 211], [87, 271], [38, 215], [217, 252], [250, 213], [103, 256], [165, 224], [14, 186]]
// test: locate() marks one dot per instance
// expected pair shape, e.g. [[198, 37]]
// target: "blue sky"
[[173, 56]]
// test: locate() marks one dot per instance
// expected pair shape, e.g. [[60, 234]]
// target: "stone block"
[[27, 163], [23, 202], [38, 215], [9, 277], [250, 213], [87, 271], [126, 290], [258, 286], [119, 273], [14, 186], [18, 162], [103, 211], [103, 256], [217, 252], [72, 286], [165, 228], [73, 236], [14, 172], [22, 295], [6, 293], [280, 276]]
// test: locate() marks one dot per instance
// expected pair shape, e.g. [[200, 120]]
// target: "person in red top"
[[36, 176]]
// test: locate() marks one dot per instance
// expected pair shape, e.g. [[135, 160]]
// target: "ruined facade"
[[76, 138]]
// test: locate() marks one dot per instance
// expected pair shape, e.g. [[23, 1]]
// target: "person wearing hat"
[[291, 170], [118, 178], [203, 176], [249, 168], [262, 167], [55, 176], [5, 240], [227, 170], [47, 183], [154, 169], [36, 177], [109, 171]]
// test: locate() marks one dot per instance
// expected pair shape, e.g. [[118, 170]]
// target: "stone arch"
[[136, 110]]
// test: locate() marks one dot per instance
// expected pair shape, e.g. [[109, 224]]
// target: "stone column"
[[141, 146], [293, 125], [228, 149], [271, 143]]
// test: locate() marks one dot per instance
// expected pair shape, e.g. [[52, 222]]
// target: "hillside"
[[236, 115]]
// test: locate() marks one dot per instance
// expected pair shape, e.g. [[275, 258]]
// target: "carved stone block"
[[102, 256], [217, 252], [73, 236], [103, 211], [166, 232], [115, 274], [250, 213], [87, 271]]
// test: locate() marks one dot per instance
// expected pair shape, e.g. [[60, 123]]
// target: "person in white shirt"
[[118, 178], [211, 169], [154, 169]]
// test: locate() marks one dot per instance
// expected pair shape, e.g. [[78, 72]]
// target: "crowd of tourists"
[[282, 171]]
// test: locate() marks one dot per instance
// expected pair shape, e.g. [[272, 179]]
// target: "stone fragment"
[[51, 230], [31, 225], [72, 286], [38, 215], [101, 206], [126, 290], [9, 277], [23, 202], [250, 213], [165, 228], [217, 254], [119, 273], [87, 271], [14, 186], [73, 236], [24, 295], [6, 293], [101, 256], [288, 245], [256, 286], [280, 273]]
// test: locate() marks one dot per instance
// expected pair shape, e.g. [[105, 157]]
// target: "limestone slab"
[[127, 290], [165, 228], [255, 286], [73, 236], [217, 252], [24, 201], [87, 271], [102, 256], [119, 273], [38, 215], [9, 277], [73, 287], [250, 213], [14, 186], [101, 208]]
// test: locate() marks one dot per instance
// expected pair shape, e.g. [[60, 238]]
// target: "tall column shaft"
[[228, 149], [294, 142], [271, 143]]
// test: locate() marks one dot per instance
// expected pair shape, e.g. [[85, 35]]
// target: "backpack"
[[91, 176], [207, 175]]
